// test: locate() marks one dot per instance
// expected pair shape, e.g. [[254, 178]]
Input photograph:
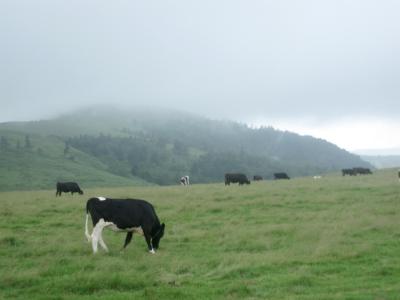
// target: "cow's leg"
[[149, 243], [96, 234], [101, 241], [128, 239], [95, 240]]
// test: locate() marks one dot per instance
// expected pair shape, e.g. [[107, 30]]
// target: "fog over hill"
[[158, 146], [329, 69], [383, 161], [378, 152]]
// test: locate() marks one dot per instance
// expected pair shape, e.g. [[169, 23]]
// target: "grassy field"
[[334, 238]]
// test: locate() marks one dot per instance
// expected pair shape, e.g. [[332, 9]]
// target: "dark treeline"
[[160, 147], [147, 158], [6, 145], [204, 149]]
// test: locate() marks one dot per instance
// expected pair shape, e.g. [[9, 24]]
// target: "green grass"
[[334, 238]]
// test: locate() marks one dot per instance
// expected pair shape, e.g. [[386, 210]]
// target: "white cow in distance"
[[184, 180]]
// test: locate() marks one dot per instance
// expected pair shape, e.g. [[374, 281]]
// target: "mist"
[[314, 67]]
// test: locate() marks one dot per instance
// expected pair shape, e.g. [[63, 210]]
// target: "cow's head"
[[80, 192], [157, 236]]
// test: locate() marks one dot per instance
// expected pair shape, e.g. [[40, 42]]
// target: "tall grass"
[[334, 238]]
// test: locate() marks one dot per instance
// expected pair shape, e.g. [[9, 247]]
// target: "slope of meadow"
[[334, 238], [44, 163]]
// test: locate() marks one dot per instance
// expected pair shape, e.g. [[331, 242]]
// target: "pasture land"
[[334, 238]]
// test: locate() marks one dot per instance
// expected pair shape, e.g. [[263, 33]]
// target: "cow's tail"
[[88, 237]]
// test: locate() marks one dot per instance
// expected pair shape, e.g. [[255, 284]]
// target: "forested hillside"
[[156, 147]]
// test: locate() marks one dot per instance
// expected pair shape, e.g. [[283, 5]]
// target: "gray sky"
[[326, 68]]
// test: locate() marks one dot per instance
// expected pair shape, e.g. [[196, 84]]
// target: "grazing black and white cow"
[[184, 180], [67, 187], [123, 215], [236, 177], [257, 177], [281, 175]]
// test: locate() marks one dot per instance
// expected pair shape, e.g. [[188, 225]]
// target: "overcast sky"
[[326, 68]]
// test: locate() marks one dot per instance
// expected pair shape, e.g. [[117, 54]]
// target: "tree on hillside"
[[66, 148], [4, 144], [180, 148], [40, 151], [28, 144]]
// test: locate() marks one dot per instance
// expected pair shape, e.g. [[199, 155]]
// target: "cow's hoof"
[[152, 251]]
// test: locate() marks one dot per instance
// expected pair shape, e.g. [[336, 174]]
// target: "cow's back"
[[122, 212]]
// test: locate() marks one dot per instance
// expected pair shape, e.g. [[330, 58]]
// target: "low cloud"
[[283, 60]]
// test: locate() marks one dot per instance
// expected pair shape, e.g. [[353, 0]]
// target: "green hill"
[[42, 162], [108, 146]]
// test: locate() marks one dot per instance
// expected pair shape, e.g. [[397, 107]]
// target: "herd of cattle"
[[241, 178], [356, 171], [138, 216]]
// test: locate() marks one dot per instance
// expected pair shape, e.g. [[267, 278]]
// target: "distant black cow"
[[67, 187], [350, 172], [123, 215], [281, 175], [236, 177], [257, 177], [362, 171]]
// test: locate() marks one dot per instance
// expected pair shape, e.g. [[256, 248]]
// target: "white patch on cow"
[[97, 238], [101, 198], [184, 180], [152, 251], [115, 228], [138, 230]]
